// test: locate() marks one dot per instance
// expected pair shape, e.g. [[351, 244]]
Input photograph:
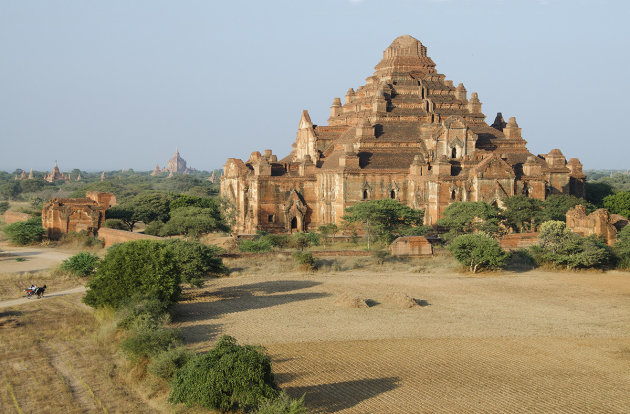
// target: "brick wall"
[[111, 236]]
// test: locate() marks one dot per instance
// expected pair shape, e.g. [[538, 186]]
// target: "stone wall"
[[112, 236], [413, 246], [517, 241], [11, 217], [599, 222]]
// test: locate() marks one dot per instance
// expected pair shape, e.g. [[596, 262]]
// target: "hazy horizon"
[[105, 86]]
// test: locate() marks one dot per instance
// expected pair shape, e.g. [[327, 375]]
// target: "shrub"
[[196, 260], [146, 340], [4, 206], [115, 224], [25, 232], [229, 377], [282, 404], [559, 246], [81, 264], [256, 246], [141, 267], [305, 260], [621, 248], [166, 363], [137, 307], [193, 222], [478, 251], [154, 228]]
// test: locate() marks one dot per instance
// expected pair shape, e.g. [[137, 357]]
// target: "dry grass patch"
[[402, 300], [52, 361]]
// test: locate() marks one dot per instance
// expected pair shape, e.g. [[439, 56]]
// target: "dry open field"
[[498, 342]]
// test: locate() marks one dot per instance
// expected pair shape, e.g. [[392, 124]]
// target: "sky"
[[104, 85]]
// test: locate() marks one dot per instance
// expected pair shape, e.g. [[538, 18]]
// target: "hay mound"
[[402, 300], [348, 300]]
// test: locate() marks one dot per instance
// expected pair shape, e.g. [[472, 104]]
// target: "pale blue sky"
[[113, 84]]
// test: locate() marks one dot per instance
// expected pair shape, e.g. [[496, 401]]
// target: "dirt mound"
[[402, 300], [348, 300]]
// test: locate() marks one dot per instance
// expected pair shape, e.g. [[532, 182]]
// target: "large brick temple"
[[407, 134]]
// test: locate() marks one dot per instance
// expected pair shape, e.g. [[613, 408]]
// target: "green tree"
[[81, 264], [25, 232], [468, 216], [194, 221], [621, 248], [10, 190], [185, 200], [555, 207], [597, 191], [230, 377], [561, 247], [4, 206], [478, 251], [123, 213], [151, 206], [383, 218], [196, 260], [522, 213], [328, 230], [142, 267], [618, 203]]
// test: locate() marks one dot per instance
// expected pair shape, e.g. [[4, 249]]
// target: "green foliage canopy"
[[522, 213], [81, 264], [618, 203], [25, 232], [383, 218], [142, 267], [229, 377], [478, 251]]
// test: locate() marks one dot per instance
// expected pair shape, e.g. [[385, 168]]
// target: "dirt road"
[[36, 258]]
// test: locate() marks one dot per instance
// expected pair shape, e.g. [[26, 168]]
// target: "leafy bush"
[[468, 216], [282, 404], [196, 260], [166, 363], [81, 264], [147, 339], [521, 259], [25, 232], [141, 267], [256, 246], [621, 248], [4, 206], [138, 307], [305, 260], [154, 228], [522, 213], [303, 240], [193, 222], [618, 203], [559, 246], [478, 251], [229, 377], [115, 224]]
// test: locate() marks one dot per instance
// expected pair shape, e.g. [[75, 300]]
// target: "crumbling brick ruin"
[[64, 215], [599, 222], [407, 134]]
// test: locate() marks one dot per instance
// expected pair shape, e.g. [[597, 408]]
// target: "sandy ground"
[[510, 342], [37, 258]]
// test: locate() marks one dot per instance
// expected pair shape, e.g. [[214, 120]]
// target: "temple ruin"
[[407, 134], [65, 215]]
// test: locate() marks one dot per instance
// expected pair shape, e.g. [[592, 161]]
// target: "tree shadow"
[[239, 299], [422, 302], [371, 302], [200, 333], [321, 397]]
